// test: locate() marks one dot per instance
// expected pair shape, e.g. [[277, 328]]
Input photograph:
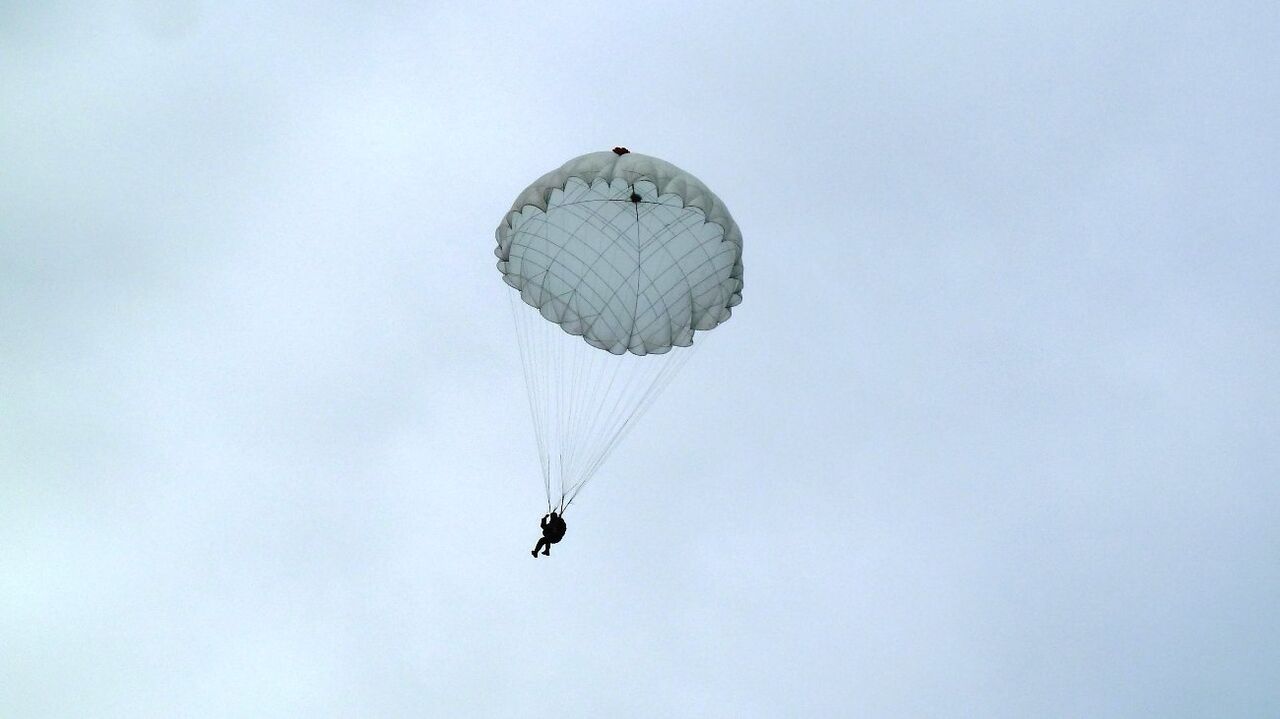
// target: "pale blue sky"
[[992, 434]]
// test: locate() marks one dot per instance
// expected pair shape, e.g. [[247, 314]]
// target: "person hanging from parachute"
[[553, 528], [617, 260]]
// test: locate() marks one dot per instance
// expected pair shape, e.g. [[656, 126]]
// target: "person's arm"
[[545, 519]]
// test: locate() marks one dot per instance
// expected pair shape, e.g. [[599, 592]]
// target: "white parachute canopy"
[[618, 259]]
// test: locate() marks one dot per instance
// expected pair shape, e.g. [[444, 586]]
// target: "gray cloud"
[[992, 433]]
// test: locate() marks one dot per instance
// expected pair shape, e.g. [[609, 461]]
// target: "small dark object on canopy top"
[[620, 151], [553, 528]]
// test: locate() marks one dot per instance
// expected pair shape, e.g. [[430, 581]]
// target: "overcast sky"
[[993, 433]]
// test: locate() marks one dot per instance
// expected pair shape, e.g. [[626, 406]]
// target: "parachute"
[[617, 259]]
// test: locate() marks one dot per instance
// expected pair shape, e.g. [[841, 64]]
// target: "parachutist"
[[553, 528]]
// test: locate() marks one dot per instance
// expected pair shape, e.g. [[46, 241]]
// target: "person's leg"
[[547, 551], [539, 546]]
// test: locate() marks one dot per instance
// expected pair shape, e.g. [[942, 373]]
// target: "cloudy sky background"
[[992, 434]]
